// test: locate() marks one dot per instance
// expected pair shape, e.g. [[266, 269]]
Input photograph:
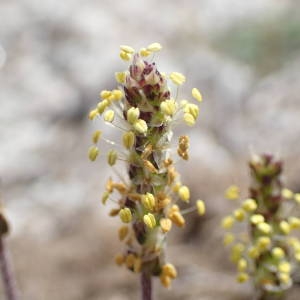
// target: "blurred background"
[[55, 58]]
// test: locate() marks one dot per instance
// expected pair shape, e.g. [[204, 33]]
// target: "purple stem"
[[7, 274], [146, 284]]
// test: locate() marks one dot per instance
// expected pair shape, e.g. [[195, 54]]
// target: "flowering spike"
[[266, 255], [146, 199]]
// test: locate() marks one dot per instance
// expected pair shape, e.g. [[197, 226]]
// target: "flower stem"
[[7, 274], [146, 284]]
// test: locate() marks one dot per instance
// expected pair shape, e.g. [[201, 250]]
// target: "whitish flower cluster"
[[268, 252], [143, 108]]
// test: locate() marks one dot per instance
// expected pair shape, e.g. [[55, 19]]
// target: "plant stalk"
[[146, 284], [8, 279]]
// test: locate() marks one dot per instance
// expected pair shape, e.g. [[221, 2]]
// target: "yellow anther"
[[114, 212], [284, 267], [242, 277], [147, 151], [286, 193], [144, 52], [117, 95], [96, 136], [184, 193], [105, 197], [127, 49], [120, 187], [228, 239], [93, 114], [263, 242], [192, 109], [257, 218], [128, 139], [112, 157], [284, 278], [294, 222], [119, 259], [102, 106], [130, 259], [165, 224], [189, 119], [285, 227], [200, 207], [232, 192], [109, 116], [148, 201], [177, 78], [120, 77], [154, 47], [165, 280], [239, 214], [133, 114], [227, 222], [105, 94], [168, 107], [109, 185], [297, 197], [137, 265], [125, 215], [169, 270], [196, 94], [177, 218], [253, 252], [149, 220], [123, 232], [140, 126], [93, 153], [242, 265], [125, 56], [249, 205], [264, 228], [278, 253]]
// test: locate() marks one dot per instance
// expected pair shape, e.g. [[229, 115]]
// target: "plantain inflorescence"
[[143, 108], [268, 252]]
